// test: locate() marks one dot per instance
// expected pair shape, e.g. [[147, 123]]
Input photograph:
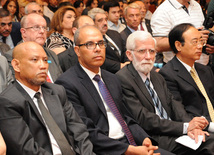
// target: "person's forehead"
[[115, 8], [6, 19], [133, 10], [191, 33], [90, 34], [100, 15], [36, 20]]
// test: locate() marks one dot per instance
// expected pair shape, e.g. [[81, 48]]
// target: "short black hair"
[[77, 3], [176, 34], [4, 13], [109, 5]]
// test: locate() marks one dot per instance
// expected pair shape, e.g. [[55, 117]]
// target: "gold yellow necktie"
[[203, 91]]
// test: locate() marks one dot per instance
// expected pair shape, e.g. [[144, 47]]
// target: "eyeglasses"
[[38, 28], [144, 51], [196, 42], [92, 45]]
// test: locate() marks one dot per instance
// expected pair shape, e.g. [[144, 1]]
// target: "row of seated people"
[[95, 94]]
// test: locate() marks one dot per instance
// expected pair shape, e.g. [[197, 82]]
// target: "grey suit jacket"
[[23, 128], [5, 73], [54, 67], [140, 103]]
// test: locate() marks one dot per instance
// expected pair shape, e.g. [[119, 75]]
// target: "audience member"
[[53, 6], [151, 103], [6, 75], [34, 28], [61, 34], [13, 7], [9, 31], [148, 12], [22, 4], [79, 7], [97, 97], [28, 107], [171, 13], [113, 13], [190, 82], [48, 12], [34, 7], [122, 19], [69, 58], [115, 51], [133, 18], [90, 4]]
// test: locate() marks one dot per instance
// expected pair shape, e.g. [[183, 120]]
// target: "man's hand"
[[146, 149], [209, 49], [204, 33], [198, 123], [194, 134]]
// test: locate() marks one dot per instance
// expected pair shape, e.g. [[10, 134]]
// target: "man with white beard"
[[151, 103]]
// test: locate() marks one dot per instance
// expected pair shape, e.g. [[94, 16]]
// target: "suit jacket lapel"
[[183, 73], [53, 103], [28, 98], [87, 83], [139, 82]]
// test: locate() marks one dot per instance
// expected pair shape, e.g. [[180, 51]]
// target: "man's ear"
[[76, 49], [74, 29], [22, 30], [16, 65], [129, 55], [178, 45]]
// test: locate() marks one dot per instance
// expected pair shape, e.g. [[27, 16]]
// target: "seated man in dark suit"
[[190, 83], [97, 97], [133, 18], [34, 28], [69, 58], [115, 50], [35, 116], [164, 118], [9, 31]]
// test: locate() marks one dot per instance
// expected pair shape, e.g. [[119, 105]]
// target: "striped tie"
[[112, 106], [203, 91], [161, 111]]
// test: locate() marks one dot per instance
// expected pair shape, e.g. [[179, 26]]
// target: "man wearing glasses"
[[34, 28], [96, 95], [151, 103], [9, 31], [190, 83]]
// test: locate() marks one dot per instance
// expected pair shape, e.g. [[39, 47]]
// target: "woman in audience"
[[90, 4], [79, 7], [61, 35], [13, 7]]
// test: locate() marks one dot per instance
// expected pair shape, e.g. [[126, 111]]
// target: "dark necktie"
[[4, 39], [112, 106], [141, 26], [156, 100], [65, 147], [185, 9], [111, 45]]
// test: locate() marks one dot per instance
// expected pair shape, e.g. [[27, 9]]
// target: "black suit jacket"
[[113, 59], [15, 33], [124, 35], [87, 102], [23, 128], [67, 59], [184, 88], [148, 26]]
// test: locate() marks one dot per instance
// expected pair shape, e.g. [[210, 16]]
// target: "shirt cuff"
[[185, 127], [211, 127]]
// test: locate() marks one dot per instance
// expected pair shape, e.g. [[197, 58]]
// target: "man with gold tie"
[[190, 82]]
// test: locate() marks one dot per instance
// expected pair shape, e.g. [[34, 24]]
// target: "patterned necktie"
[[141, 26], [48, 79], [65, 147], [161, 111], [203, 91], [112, 106]]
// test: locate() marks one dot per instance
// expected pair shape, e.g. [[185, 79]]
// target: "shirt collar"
[[30, 91], [185, 65], [132, 30], [143, 76], [90, 73], [178, 5]]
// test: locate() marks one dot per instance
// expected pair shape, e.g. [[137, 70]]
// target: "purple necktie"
[[110, 102]]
